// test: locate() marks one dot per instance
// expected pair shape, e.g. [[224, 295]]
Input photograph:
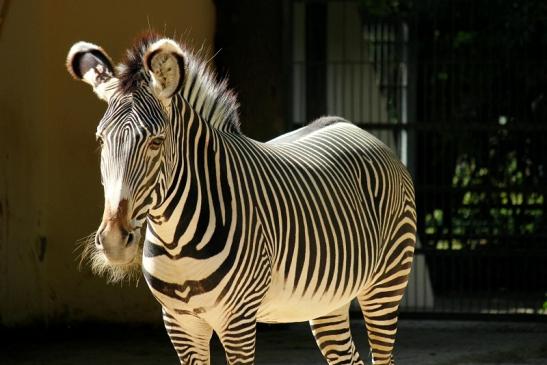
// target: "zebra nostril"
[[98, 237], [130, 238], [98, 242]]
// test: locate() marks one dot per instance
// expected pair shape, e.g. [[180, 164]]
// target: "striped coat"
[[238, 231]]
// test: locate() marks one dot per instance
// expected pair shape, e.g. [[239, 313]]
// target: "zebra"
[[237, 231]]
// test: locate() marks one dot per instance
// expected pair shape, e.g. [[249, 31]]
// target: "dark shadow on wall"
[[249, 40], [4, 5]]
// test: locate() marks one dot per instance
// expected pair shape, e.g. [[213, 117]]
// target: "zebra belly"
[[284, 305], [296, 311]]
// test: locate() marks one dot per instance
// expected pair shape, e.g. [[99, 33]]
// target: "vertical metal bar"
[[404, 85], [288, 64], [383, 58], [370, 63], [362, 65], [344, 64], [316, 54]]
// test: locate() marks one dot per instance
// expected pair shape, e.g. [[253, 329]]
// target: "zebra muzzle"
[[118, 243]]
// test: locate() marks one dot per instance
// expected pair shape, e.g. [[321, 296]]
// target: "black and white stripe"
[[240, 232]]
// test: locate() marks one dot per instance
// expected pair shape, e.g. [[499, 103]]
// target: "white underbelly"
[[295, 311], [283, 305]]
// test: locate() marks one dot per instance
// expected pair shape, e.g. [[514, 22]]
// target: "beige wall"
[[50, 195]]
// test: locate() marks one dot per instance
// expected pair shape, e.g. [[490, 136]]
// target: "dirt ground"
[[419, 342]]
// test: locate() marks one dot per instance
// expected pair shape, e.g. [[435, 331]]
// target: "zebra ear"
[[165, 62], [89, 63]]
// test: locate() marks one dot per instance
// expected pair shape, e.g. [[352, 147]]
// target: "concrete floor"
[[419, 342]]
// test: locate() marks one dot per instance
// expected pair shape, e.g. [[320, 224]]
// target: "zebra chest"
[[184, 284]]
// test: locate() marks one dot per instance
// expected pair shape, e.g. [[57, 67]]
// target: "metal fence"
[[457, 88]]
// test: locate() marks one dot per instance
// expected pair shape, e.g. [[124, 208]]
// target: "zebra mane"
[[215, 102]]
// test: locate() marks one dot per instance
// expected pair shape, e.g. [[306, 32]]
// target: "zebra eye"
[[100, 141], [156, 143]]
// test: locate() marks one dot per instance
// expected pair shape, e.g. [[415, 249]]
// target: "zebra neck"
[[198, 194], [211, 100]]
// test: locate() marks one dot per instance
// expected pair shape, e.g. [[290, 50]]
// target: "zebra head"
[[135, 136]]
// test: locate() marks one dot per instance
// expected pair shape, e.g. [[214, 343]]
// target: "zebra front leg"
[[333, 336], [238, 338], [190, 336]]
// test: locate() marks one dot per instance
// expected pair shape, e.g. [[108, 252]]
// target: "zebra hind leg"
[[333, 336], [380, 305], [380, 302], [190, 337]]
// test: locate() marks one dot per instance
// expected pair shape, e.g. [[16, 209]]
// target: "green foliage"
[[483, 65], [493, 198], [463, 38], [380, 9], [487, 72]]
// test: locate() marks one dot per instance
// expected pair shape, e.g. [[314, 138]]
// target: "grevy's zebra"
[[238, 231]]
